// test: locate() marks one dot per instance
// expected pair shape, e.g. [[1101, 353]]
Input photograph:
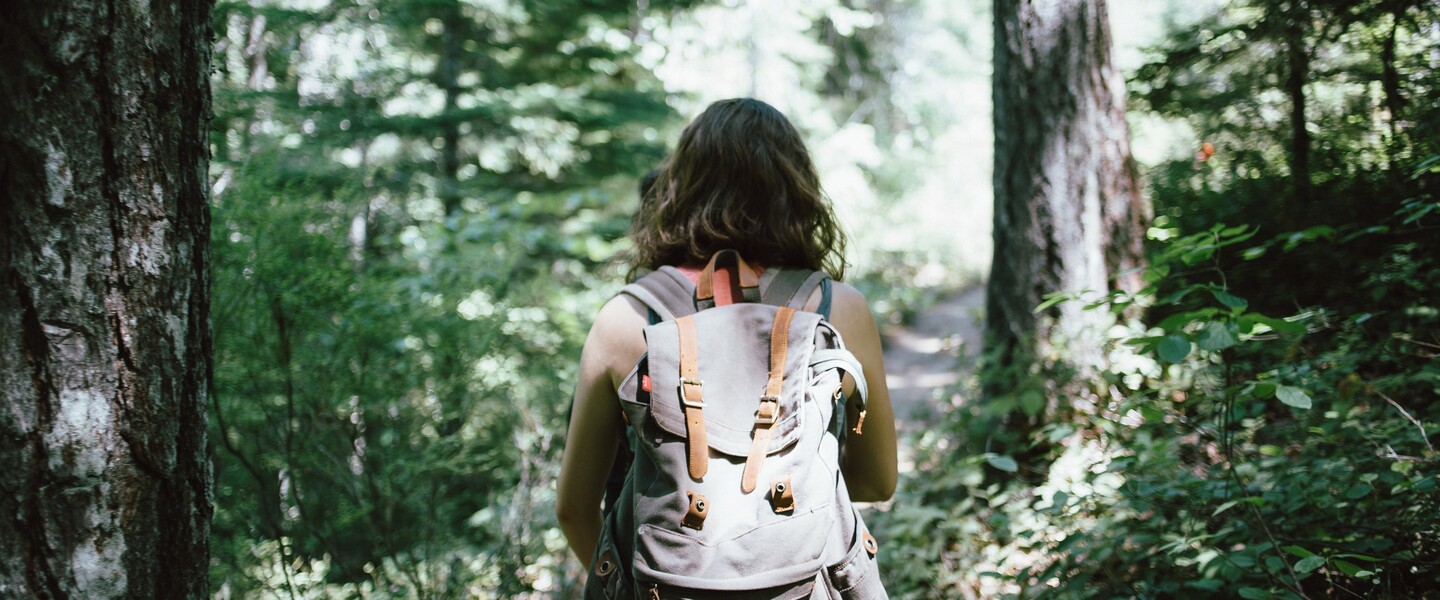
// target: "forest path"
[[934, 352]]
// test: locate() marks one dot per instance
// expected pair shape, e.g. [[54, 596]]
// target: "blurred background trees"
[[418, 206]]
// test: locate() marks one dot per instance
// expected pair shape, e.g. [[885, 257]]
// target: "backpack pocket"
[[803, 590], [608, 577], [783, 550], [857, 576]]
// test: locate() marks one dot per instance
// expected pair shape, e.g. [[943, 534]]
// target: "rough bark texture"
[[1068, 210], [104, 307]]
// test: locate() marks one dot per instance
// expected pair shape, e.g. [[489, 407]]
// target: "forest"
[[295, 290]]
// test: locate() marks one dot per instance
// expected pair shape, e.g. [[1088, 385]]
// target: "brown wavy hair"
[[740, 178]]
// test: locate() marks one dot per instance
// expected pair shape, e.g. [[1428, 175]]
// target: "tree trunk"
[[104, 308], [448, 78], [1297, 57], [1068, 211], [1390, 76]]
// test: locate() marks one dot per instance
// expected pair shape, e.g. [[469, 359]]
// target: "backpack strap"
[[840, 358], [692, 397], [743, 277], [824, 308], [769, 411], [792, 288], [779, 285], [667, 292]]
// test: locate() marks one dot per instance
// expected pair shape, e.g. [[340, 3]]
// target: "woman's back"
[[742, 180]]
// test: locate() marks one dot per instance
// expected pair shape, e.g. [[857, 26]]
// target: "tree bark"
[[104, 309], [1297, 57], [1069, 214]]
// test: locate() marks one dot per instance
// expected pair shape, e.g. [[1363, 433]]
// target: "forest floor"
[[927, 357]]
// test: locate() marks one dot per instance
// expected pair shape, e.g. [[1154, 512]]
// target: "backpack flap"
[[733, 350]]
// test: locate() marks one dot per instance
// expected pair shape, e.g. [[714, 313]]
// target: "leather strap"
[[705, 292], [782, 495], [692, 400], [695, 515], [769, 410]]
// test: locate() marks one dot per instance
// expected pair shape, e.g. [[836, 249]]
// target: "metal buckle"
[[759, 420], [685, 399]]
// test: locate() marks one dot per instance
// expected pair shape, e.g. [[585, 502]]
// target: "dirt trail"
[[935, 351]]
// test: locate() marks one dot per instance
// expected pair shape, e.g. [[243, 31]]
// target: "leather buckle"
[[694, 517], [685, 398], [760, 417], [782, 495]]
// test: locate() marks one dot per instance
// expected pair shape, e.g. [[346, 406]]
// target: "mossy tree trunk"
[[1069, 214], [104, 307]]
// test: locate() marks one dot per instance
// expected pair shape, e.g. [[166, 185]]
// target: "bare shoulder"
[[847, 303], [617, 337]]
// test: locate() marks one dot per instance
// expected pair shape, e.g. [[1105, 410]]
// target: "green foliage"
[[1271, 403], [1258, 457], [418, 208], [408, 244], [418, 205]]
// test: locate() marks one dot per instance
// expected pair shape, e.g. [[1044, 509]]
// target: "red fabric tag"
[[645, 382]]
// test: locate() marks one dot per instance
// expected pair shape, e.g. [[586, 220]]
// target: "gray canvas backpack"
[[736, 418]]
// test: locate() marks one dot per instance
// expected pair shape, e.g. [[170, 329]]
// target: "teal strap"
[[824, 308]]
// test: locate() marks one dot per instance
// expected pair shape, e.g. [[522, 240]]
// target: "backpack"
[[736, 418]]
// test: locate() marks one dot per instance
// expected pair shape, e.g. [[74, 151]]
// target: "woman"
[[740, 179]]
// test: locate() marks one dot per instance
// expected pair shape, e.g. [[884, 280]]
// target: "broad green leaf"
[[1308, 564], [1223, 507], [1263, 389], [1004, 463], [1209, 585], [1144, 342], [1358, 491], [1350, 568], [1253, 593], [1298, 551], [1181, 320], [1293, 396], [1251, 322], [1173, 348], [1052, 299], [1215, 336], [1229, 299], [1232, 231]]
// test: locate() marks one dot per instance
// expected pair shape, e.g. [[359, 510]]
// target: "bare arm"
[[868, 460], [614, 344]]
